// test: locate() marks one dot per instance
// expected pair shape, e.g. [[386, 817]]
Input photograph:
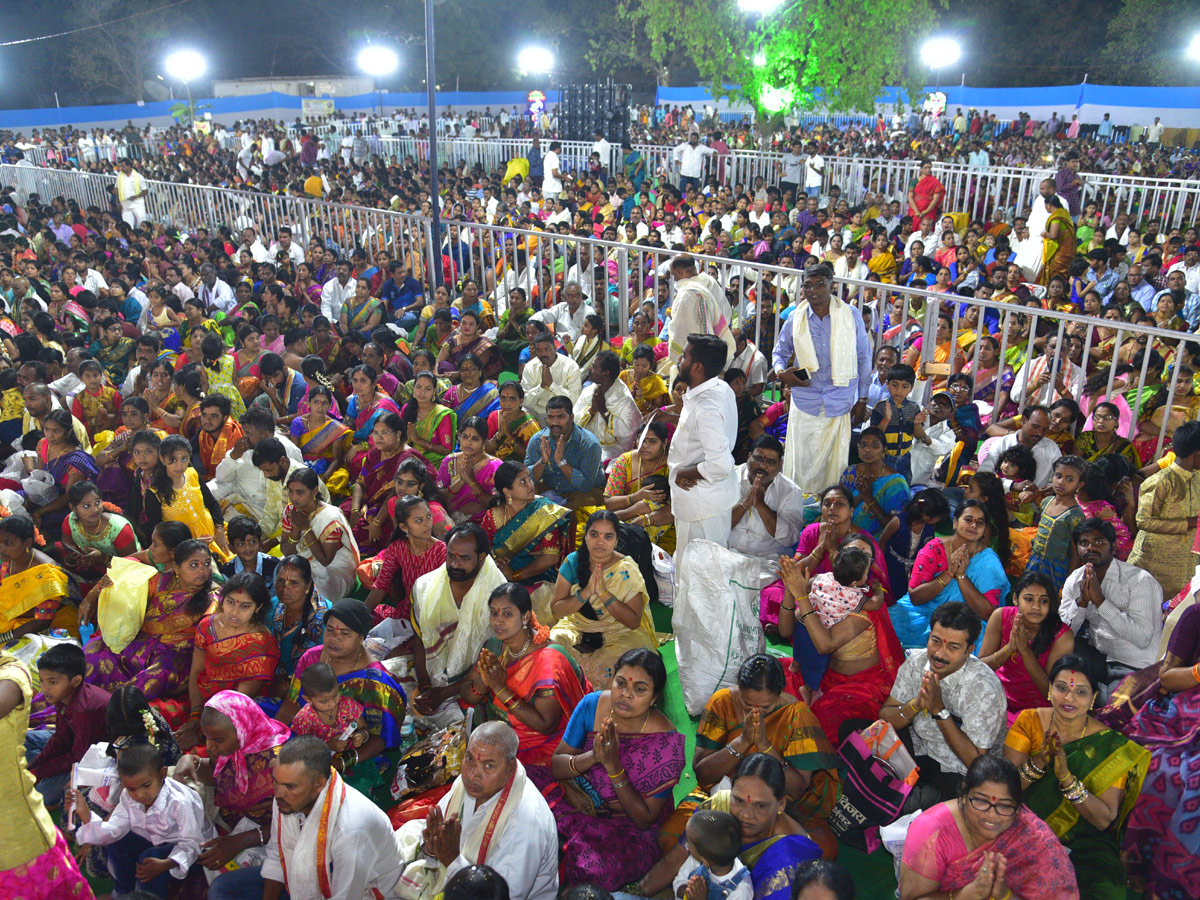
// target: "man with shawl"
[[318, 819], [699, 307], [494, 816], [450, 615], [829, 378], [218, 433]]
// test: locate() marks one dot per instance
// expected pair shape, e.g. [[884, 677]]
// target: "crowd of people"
[[282, 517]]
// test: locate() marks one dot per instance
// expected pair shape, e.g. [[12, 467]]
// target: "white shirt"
[[1191, 276], [295, 254], [565, 323], [257, 251], [219, 296], [1154, 132], [1127, 626], [615, 429], [750, 535], [1022, 389], [93, 281], [753, 363], [673, 236], [690, 867], [1045, 452], [691, 159], [175, 817], [790, 164], [335, 295], [362, 845], [525, 853], [705, 437], [814, 171], [276, 496], [551, 186], [128, 185], [239, 480], [564, 382]]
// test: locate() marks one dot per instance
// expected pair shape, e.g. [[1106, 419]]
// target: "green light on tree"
[[776, 99]]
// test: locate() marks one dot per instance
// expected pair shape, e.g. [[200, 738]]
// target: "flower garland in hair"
[[150, 725]]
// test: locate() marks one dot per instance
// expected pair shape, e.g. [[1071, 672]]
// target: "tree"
[[120, 56], [1147, 44], [617, 42], [808, 54]]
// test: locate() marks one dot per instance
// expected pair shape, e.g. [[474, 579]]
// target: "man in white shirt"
[[214, 293], [700, 307], [671, 233], [689, 157], [566, 317], [850, 265], [337, 292], [603, 148], [814, 171], [552, 174], [1032, 434], [495, 816], [704, 483], [275, 462], [251, 242], [759, 215], [1120, 602], [287, 245], [1154, 133], [326, 838], [767, 522], [240, 486], [548, 374], [750, 360], [174, 280], [131, 193], [606, 407], [1190, 267]]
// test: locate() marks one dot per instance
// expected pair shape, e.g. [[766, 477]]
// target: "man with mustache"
[[450, 616], [947, 705], [770, 515], [1120, 602]]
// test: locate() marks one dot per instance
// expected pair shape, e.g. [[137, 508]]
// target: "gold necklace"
[[1079, 736], [528, 642], [92, 534]]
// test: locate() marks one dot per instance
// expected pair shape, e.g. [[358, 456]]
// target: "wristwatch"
[[943, 715]]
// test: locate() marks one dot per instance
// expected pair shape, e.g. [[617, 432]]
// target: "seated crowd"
[[373, 564]]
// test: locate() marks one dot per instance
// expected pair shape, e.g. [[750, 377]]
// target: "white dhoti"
[[134, 211], [817, 449], [714, 528]]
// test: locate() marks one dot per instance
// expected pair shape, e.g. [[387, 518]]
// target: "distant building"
[[301, 86]]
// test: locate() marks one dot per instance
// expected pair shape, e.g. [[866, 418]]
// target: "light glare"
[[185, 65], [535, 61], [939, 52], [377, 61]]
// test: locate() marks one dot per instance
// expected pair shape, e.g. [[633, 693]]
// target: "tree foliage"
[[1147, 44], [824, 53], [120, 56]]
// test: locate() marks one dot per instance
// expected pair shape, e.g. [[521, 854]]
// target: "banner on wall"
[[316, 107]]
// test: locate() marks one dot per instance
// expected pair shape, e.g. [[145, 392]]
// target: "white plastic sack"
[[894, 836], [716, 618]]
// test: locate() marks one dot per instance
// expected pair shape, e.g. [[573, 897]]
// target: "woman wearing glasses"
[[985, 845], [1079, 776]]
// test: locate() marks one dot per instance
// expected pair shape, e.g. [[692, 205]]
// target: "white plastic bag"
[[664, 574], [894, 836], [716, 618]]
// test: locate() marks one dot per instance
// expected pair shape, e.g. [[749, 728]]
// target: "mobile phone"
[[802, 374]]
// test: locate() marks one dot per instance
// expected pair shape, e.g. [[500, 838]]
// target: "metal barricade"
[[502, 259]]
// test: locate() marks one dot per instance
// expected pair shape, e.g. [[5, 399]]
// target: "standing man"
[[829, 378], [689, 156], [814, 171], [552, 174], [704, 480], [700, 307], [131, 193]]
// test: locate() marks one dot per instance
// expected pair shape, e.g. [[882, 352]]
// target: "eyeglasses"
[[1105, 417], [1006, 808], [765, 461]]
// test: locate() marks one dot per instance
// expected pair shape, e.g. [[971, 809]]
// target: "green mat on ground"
[[874, 874]]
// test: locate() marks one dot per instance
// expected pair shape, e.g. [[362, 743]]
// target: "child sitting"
[[156, 830], [1018, 468], [713, 871], [79, 720], [834, 596], [245, 540], [334, 718]]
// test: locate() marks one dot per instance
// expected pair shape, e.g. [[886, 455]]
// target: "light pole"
[[186, 65], [435, 194], [939, 52], [378, 62]]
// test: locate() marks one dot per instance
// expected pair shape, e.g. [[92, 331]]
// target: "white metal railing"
[[502, 258]]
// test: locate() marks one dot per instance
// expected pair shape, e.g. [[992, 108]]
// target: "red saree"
[[230, 661]]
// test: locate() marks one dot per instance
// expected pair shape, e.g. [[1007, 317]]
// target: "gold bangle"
[[571, 763]]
